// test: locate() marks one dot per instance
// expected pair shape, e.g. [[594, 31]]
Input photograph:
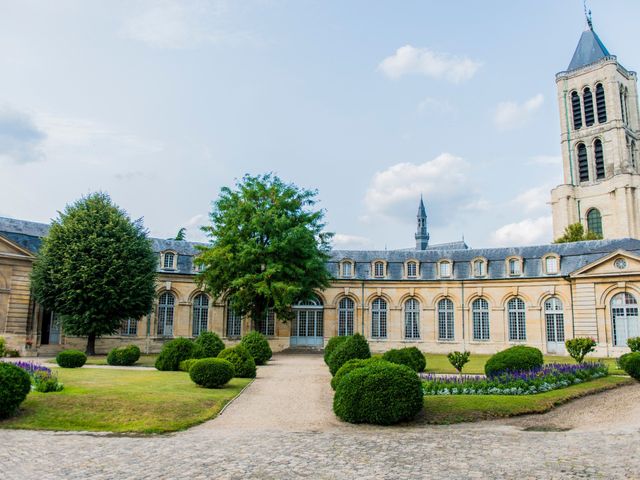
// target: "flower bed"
[[544, 379], [42, 378]]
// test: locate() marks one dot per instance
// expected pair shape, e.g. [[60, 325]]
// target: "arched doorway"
[[307, 328], [624, 318]]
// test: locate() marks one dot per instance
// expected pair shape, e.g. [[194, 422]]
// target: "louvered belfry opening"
[[577, 113], [588, 107], [601, 104], [583, 163], [599, 157]]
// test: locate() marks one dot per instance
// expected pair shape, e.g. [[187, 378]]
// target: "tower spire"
[[587, 16], [422, 233]]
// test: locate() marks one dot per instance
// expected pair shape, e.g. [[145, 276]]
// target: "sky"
[[371, 103]]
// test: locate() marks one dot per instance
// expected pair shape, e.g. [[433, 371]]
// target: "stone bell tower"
[[422, 233], [600, 132]]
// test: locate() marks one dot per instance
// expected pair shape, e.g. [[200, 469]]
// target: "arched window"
[[624, 316], [583, 163], [234, 323], [200, 314], [587, 97], [515, 267], [594, 221], [347, 269], [412, 319], [379, 318], [378, 269], [517, 319], [601, 104], [169, 258], [445, 320], [577, 112], [555, 320], [599, 157], [551, 265], [166, 305], [412, 269], [623, 104], [479, 268], [309, 322], [346, 313], [445, 269], [480, 315], [267, 324]]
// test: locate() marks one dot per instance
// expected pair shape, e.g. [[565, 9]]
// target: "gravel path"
[[282, 427]]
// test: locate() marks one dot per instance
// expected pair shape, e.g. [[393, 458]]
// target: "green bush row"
[[124, 356], [71, 359]]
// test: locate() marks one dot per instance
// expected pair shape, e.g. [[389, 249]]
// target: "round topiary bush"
[[71, 359], [634, 344], [124, 356], [355, 346], [211, 344], [258, 347], [622, 359], [412, 357], [15, 384], [380, 393], [352, 365], [243, 363], [211, 372], [176, 350], [331, 345], [185, 365], [632, 365], [518, 358]]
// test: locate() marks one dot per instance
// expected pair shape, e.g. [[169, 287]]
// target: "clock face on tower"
[[620, 263]]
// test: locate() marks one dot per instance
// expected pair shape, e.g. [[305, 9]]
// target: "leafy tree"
[[95, 268], [458, 360], [181, 235], [578, 348], [575, 233], [267, 246]]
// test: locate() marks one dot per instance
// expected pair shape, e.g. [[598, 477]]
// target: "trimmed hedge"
[[15, 384], [622, 359], [632, 365], [124, 356], [211, 344], [3, 346], [355, 346], [176, 350], [258, 347], [352, 365], [185, 365], [514, 359], [634, 344], [71, 359], [211, 372], [243, 363], [380, 393], [412, 357], [331, 345]]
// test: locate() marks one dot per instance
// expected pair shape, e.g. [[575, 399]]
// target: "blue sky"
[[161, 103]]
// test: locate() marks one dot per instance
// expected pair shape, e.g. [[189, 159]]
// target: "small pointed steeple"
[[422, 233], [590, 48]]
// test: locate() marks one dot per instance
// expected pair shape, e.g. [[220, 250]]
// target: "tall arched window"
[[588, 107], [577, 112], [594, 221], [445, 320], [412, 269], [623, 104], [346, 313], [234, 323], [200, 314], [267, 324], [517, 319], [601, 104], [169, 259], [378, 269], [554, 317], [480, 315], [412, 319], [599, 158], [624, 316], [379, 318], [583, 163], [166, 305]]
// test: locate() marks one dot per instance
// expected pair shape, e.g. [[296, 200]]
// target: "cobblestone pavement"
[[273, 440]]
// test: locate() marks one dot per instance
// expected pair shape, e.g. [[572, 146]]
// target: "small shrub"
[[518, 358], [258, 347], [332, 344], [352, 365], [3, 346], [71, 359], [45, 382], [622, 359], [176, 350], [124, 356], [632, 365], [634, 344], [12, 353], [211, 372], [355, 346], [459, 360], [380, 393], [185, 365], [410, 356], [578, 348], [15, 384], [243, 363], [211, 344]]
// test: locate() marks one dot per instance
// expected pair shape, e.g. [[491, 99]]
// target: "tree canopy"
[[95, 268], [575, 233], [181, 235], [268, 247]]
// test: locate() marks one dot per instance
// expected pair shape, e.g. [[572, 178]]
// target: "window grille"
[[412, 269], [551, 265], [445, 320], [480, 315], [555, 320], [583, 163], [594, 221], [517, 319], [379, 318], [378, 269], [200, 314], [346, 313], [234, 323], [267, 324], [168, 260], [577, 112], [166, 306], [412, 319], [588, 107], [129, 327], [601, 104], [599, 157]]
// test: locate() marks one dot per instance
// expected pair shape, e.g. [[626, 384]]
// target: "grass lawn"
[[144, 361], [441, 409], [141, 401]]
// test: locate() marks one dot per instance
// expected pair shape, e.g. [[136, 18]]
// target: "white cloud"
[[411, 60], [20, 138], [529, 231], [510, 115], [555, 160], [534, 199], [430, 104], [342, 241]]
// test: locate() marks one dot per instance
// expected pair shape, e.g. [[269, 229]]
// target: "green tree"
[[575, 233], [267, 246], [95, 268], [182, 235]]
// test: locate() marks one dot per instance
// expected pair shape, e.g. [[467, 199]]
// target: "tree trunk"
[[91, 344]]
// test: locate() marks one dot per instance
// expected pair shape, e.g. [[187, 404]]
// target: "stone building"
[[437, 297]]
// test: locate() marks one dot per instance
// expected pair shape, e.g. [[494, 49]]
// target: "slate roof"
[[590, 49]]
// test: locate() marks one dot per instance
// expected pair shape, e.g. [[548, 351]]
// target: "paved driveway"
[[282, 427]]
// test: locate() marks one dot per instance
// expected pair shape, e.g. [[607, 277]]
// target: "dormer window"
[[551, 265], [479, 266], [412, 269], [444, 268], [346, 269], [514, 267], [168, 261], [378, 269]]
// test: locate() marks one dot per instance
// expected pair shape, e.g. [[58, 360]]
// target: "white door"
[[554, 318], [54, 329]]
